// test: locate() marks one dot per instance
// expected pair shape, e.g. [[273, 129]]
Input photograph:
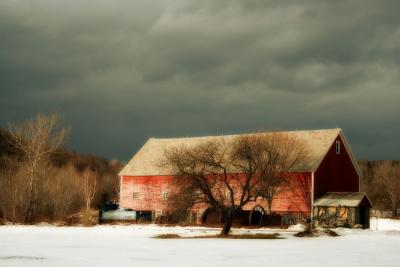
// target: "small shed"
[[342, 209]]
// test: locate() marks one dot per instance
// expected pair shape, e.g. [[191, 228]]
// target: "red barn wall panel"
[[150, 189], [296, 197], [336, 172]]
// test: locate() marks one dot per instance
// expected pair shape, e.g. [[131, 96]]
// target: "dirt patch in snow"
[[167, 236], [243, 236], [316, 233]]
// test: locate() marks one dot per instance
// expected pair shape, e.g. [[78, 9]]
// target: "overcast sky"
[[120, 72]]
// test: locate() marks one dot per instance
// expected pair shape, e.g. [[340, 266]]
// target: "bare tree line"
[[33, 187], [37, 139], [381, 181]]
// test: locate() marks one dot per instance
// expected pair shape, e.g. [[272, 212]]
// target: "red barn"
[[332, 167]]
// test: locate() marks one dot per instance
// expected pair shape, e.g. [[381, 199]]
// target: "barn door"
[[256, 215], [363, 216]]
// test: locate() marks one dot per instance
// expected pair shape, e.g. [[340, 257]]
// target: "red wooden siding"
[[150, 189], [336, 173]]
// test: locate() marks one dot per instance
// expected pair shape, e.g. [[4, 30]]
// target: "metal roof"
[[336, 199], [146, 161]]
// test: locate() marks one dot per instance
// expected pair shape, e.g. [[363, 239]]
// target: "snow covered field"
[[134, 246]]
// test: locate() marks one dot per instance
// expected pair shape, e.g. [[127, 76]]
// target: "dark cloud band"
[[122, 71]]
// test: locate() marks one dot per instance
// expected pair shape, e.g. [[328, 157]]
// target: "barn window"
[[228, 195], [165, 195], [337, 147], [135, 195]]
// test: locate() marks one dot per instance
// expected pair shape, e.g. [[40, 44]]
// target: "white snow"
[[297, 227], [384, 224], [134, 246]]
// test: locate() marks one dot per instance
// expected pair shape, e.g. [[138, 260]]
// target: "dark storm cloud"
[[122, 71]]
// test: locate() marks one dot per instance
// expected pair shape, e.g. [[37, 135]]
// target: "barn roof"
[[336, 199], [146, 161]]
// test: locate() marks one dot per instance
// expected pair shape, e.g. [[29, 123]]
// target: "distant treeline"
[[63, 183], [381, 182], [60, 158]]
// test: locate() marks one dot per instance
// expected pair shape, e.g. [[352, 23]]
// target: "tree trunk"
[[14, 206], [227, 225], [14, 214], [269, 202], [4, 212], [28, 216]]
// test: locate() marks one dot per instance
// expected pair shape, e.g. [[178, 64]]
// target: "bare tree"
[[5, 195], [228, 175], [180, 200], [89, 184], [37, 139], [279, 155], [388, 176], [63, 191], [208, 176], [13, 191], [371, 182], [302, 189], [304, 185]]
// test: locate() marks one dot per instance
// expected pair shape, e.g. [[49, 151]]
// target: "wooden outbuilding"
[[346, 209]]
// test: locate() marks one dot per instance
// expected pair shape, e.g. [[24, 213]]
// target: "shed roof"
[[145, 161], [336, 199]]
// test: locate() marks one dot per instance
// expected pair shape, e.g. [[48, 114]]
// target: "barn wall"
[[291, 198], [150, 189], [336, 173]]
